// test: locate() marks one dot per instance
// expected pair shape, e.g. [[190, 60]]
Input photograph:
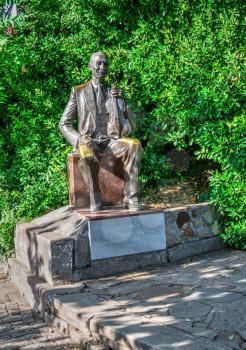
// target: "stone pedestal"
[[72, 245], [111, 181]]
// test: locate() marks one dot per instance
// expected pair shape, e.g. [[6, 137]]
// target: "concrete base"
[[71, 245], [123, 312]]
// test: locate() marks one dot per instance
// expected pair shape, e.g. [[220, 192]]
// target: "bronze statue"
[[104, 121]]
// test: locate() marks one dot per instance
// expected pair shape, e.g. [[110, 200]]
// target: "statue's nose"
[[103, 66]]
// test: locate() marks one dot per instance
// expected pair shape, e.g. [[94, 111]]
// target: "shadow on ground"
[[198, 304], [20, 328]]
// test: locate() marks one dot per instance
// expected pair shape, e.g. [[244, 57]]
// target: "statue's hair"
[[98, 53]]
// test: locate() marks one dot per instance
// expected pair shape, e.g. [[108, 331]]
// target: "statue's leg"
[[89, 167], [130, 151]]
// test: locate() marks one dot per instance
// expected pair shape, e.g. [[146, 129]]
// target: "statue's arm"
[[66, 121]]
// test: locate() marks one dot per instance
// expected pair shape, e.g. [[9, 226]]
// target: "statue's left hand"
[[115, 92]]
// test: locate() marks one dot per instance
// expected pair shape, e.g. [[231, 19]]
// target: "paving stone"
[[125, 288], [3, 271], [193, 310], [140, 334], [24, 331], [242, 334], [228, 320], [188, 306], [191, 328], [163, 290], [220, 297], [96, 347], [230, 338]]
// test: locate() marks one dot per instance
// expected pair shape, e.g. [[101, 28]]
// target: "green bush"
[[229, 196], [180, 63]]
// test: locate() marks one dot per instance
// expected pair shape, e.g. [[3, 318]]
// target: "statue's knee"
[[136, 145], [132, 142]]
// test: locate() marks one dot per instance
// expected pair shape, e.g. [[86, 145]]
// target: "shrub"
[[180, 64]]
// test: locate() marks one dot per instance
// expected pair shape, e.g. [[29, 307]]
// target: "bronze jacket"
[[83, 104]]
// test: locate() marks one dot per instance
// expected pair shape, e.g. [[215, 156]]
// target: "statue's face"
[[99, 66]]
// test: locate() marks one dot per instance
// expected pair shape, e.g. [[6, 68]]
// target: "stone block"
[[188, 249], [61, 251], [116, 265], [53, 245], [81, 252], [21, 277], [111, 181], [191, 223], [126, 235]]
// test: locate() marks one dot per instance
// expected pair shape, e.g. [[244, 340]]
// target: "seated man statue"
[[104, 121]]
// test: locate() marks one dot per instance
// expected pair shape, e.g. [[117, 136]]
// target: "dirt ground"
[[178, 191]]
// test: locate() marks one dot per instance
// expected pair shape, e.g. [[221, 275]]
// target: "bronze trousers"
[[128, 150]]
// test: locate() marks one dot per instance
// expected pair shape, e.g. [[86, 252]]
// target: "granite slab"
[[127, 235]]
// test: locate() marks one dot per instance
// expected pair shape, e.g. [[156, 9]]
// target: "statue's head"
[[98, 65]]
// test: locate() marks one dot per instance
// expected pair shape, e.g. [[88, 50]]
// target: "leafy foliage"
[[180, 63]]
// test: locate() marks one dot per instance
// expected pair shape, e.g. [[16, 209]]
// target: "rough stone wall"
[[192, 230], [191, 223]]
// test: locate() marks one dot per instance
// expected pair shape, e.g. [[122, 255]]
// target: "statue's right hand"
[[85, 140]]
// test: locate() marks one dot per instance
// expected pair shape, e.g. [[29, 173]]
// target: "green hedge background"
[[180, 62]]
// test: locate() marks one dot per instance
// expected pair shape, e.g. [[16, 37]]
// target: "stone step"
[[197, 304]]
